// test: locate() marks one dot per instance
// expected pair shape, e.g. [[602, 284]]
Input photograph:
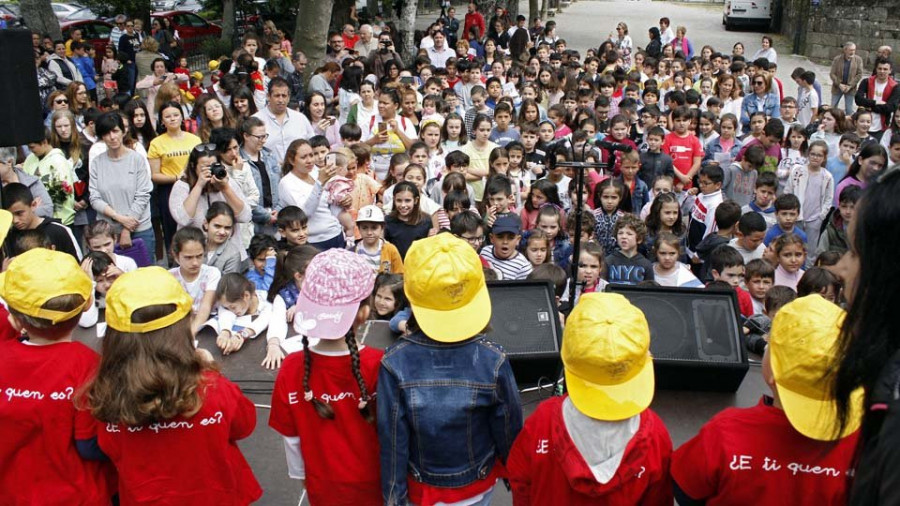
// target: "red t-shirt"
[[192, 460], [745, 302], [754, 456], [341, 455], [39, 425], [7, 332], [544, 463], [683, 150]]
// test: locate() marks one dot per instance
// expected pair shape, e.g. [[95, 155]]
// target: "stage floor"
[[683, 412]]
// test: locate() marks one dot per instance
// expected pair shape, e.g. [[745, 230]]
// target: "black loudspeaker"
[[695, 336], [525, 322], [21, 119]]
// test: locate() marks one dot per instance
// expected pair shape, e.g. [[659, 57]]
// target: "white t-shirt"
[[879, 95], [206, 281], [124, 263]]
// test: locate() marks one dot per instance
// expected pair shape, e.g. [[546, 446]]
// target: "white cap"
[[370, 214]]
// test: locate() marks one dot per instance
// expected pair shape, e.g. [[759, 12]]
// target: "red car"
[[94, 31], [191, 28]]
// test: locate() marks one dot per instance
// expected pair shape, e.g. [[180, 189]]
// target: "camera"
[[218, 171]]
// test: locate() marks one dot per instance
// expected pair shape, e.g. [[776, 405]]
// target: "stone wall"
[[820, 30]]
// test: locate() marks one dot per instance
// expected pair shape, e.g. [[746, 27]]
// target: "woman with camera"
[[204, 181], [322, 123]]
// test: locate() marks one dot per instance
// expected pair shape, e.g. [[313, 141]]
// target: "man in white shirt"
[[283, 125], [367, 43], [440, 53]]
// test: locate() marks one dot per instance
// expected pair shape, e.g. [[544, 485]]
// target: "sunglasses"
[[759, 82], [205, 148], [61, 101]]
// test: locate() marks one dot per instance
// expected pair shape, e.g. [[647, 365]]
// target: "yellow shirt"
[[173, 153], [480, 159]]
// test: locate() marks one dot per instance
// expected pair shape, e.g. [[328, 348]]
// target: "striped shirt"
[[517, 267]]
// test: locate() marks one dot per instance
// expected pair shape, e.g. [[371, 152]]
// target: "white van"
[[747, 12]]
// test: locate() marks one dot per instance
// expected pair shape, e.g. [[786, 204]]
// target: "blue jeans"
[[849, 100], [149, 239]]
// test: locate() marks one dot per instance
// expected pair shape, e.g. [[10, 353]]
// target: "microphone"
[[613, 146]]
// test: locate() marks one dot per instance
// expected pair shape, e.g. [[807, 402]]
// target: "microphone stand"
[[580, 167]]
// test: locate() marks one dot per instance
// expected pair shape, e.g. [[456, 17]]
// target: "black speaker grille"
[[522, 319], [685, 327]]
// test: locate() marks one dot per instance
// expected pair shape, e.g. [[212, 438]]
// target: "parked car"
[[189, 27], [62, 10], [9, 13], [94, 31], [82, 15], [747, 12]]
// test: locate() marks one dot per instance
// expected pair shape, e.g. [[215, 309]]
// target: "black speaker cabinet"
[[525, 322], [695, 336], [20, 104]]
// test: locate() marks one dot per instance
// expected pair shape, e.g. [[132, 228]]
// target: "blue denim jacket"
[[715, 147], [771, 106], [446, 412], [260, 215]]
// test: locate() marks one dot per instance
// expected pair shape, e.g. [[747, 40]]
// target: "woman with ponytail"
[[324, 398]]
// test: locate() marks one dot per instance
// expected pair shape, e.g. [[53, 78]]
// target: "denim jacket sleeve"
[[402, 315], [393, 436], [506, 421]]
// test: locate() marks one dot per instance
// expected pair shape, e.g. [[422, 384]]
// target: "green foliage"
[[134, 8], [214, 47]]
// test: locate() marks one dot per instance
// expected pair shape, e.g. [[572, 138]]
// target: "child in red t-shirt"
[[172, 421], [684, 148], [183, 69], [46, 443], [602, 444], [786, 449], [323, 403]]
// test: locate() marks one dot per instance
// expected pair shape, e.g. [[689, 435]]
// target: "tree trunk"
[[408, 30], [311, 33], [228, 20], [340, 14], [39, 16], [533, 11], [544, 10]]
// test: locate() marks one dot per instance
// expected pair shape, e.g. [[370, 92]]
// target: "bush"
[[215, 47]]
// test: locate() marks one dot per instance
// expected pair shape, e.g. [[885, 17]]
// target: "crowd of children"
[[394, 194]]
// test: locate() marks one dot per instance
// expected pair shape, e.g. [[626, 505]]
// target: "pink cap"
[[336, 281]]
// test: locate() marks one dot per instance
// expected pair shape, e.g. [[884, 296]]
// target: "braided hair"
[[323, 409]]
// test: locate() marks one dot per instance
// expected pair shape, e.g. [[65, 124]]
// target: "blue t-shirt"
[[837, 168], [505, 137], [776, 231]]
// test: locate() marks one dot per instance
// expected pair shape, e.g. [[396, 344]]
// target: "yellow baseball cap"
[[606, 353], [802, 349], [5, 223], [444, 283], [40, 274], [148, 286]]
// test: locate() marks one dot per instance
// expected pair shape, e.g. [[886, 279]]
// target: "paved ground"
[[587, 23]]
